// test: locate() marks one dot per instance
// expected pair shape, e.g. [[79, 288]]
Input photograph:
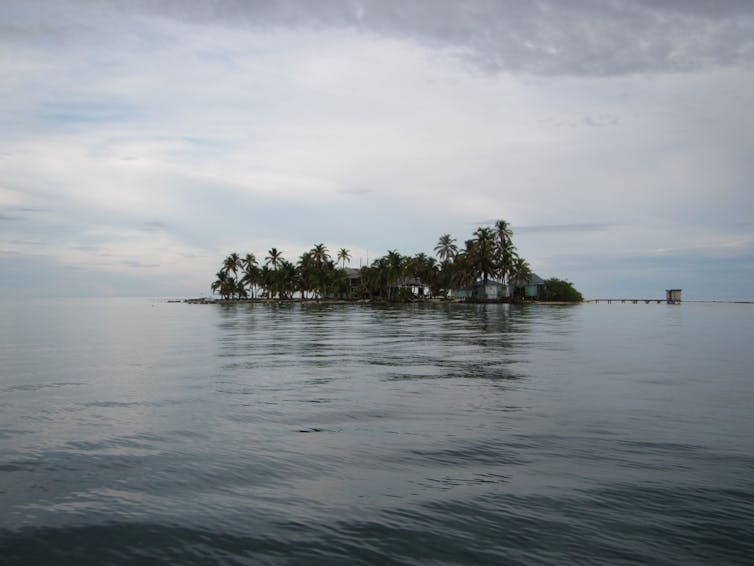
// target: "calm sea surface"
[[146, 431]]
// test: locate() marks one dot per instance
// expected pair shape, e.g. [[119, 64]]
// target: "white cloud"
[[248, 136]]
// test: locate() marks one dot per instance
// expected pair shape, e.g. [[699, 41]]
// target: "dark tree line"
[[488, 255], [315, 275]]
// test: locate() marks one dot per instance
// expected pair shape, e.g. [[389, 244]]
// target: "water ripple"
[[266, 433]]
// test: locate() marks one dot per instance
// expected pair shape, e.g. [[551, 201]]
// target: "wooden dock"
[[635, 301], [672, 297]]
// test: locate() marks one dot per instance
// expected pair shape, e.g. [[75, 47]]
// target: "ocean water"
[[142, 431]]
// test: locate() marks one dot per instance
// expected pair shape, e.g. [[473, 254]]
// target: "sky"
[[142, 142]]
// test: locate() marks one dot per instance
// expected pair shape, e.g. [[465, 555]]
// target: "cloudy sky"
[[143, 141]]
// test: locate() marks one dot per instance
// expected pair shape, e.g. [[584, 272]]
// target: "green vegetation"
[[488, 258], [559, 290], [314, 276]]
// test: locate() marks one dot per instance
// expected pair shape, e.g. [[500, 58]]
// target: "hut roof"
[[535, 280]]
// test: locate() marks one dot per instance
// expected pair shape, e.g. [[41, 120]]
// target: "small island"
[[486, 269]]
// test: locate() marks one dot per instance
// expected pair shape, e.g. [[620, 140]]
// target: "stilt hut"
[[673, 296]]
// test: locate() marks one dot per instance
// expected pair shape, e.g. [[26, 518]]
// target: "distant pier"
[[672, 297], [634, 301]]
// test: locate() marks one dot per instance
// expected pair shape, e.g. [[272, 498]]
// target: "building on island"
[[531, 288], [493, 290], [673, 296]]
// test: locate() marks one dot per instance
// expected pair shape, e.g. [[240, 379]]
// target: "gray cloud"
[[562, 228], [154, 226], [551, 228], [746, 224], [167, 133], [356, 191], [141, 265], [600, 121], [72, 112], [550, 37], [18, 214], [647, 275]]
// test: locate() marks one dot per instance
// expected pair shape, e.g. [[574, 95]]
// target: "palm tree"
[[218, 283], [368, 285], [382, 277], [395, 265], [489, 254], [506, 258], [520, 273], [446, 248], [266, 281], [322, 265], [506, 251], [339, 283], [343, 256], [461, 271], [249, 260], [232, 263], [250, 272], [224, 285], [240, 289], [274, 258], [503, 231], [424, 269], [481, 252], [306, 273], [320, 254], [287, 279]]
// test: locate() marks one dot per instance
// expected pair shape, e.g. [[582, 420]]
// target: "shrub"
[[560, 290]]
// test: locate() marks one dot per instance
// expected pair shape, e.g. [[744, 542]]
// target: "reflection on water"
[[425, 341], [147, 431]]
